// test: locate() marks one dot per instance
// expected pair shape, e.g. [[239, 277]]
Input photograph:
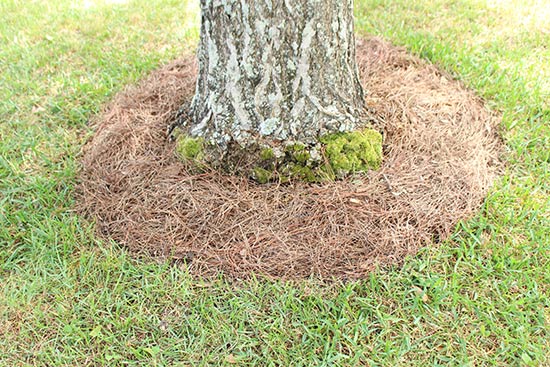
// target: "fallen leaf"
[[37, 109], [425, 298], [96, 331], [231, 359]]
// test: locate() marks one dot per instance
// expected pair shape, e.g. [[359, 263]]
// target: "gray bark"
[[275, 71]]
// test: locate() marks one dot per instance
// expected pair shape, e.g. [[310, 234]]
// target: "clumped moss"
[[334, 156], [344, 153], [262, 175], [267, 154], [355, 151], [298, 153], [189, 148], [303, 173]]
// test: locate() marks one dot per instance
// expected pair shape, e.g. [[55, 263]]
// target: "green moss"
[[266, 154], [354, 151], [189, 148], [298, 153], [342, 154], [262, 175], [293, 170]]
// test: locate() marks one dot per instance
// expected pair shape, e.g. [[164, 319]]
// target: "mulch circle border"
[[441, 158]]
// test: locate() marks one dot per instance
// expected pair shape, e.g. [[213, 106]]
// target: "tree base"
[[440, 157], [335, 156]]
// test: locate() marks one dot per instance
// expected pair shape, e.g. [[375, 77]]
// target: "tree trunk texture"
[[273, 73]]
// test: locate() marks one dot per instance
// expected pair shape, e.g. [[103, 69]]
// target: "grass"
[[68, 299]]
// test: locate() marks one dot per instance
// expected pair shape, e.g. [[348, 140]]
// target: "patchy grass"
[[66, 299]]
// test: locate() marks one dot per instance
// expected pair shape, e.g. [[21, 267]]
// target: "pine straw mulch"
[[441, 157]]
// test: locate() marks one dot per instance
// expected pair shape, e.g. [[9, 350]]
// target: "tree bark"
[[276, 77], [275, 70]]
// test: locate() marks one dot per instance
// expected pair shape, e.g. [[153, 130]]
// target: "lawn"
[[69, 299]]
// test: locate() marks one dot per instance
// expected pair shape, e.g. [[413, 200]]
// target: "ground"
[[67, 298], [151, 195]]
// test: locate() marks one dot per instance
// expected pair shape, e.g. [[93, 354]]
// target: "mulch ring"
[[441, 157]]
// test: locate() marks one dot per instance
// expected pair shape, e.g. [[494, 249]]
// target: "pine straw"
[[441, 157]]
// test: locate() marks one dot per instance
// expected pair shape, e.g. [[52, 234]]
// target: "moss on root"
[[262, 175], [335, 156], [267, 154], [190, 149], [341, 154], [299, 153], [355, 151]]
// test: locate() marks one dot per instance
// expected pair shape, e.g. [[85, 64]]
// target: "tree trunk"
[[274, 73]]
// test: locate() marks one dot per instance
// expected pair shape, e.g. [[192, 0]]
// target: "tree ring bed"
[[441, 156]]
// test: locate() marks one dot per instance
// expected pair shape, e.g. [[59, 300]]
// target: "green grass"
[[67, 299]]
